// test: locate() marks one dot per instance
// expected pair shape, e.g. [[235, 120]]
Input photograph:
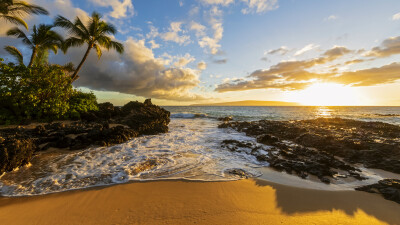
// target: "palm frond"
[[15, 20], [72, 42], [28, 8], [69, 67], [105, 28], [15, 53], [98, 51], [79, 24], [18, 33], [71, 27], [119, 47]]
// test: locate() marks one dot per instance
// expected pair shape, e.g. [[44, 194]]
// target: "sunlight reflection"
[[323, 112]]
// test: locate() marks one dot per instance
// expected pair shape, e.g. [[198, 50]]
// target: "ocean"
[[191, 150]]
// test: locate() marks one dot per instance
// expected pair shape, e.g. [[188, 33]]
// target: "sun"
[[327, 94]]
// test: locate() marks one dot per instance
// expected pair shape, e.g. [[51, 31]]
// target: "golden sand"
[[181, 202]]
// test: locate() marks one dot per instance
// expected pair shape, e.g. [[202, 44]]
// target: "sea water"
[[191, 150]]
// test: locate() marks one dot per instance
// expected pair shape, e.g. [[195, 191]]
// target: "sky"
[[181, 52]]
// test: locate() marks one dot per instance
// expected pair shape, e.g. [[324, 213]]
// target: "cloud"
[[286, 75], [296, 75], [396, 16], [174, 34], [252, 6], [62, 7], [183, 61], [369, 77], [211, 42], [281, 51], [390, 46], [120, 9], [331, 17], [259, 6], [220, 61], [136, 72], [202, 65], [198, 28], [355, 61], [305, 49], [218, 2], [153, 44]]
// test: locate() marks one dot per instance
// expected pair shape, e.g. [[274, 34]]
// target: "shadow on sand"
[[301, 200]]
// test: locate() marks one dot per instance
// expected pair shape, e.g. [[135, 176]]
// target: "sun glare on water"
[[327, 94]]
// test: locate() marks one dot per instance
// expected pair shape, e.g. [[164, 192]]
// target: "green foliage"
[[81, 102], [33, 93]]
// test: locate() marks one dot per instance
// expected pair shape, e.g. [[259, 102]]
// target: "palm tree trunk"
[[75, 75], [34, 52]]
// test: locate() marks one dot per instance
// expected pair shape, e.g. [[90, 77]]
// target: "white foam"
[[191, 150]]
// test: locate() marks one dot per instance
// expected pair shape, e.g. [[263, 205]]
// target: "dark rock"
[[147, 102], [226, 119], [15, 153], [146, 119], [238, 172], [18, 144], [322, 146], [267, 139], [388, 188]]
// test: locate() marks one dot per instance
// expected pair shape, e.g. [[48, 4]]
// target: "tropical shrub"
[[81, 102], [40, 92]]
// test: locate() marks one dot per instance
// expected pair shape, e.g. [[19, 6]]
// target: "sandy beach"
[[251, 201]]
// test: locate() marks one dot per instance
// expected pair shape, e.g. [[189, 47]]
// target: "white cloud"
[[202, 65], [153, 44], [211, 42], [396, 16], [175, 34], [198, 28], [183, 61], [218, 2], [120, 9], [253, 6], [305, 49], [281, 51], [331, 17], [259, 6]]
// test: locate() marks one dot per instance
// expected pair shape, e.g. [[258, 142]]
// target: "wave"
[[190, 151], [189, 115]]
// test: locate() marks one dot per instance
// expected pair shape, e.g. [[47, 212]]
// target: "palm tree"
[[12, 11], [94, 34], [15, 53], [42, 38]]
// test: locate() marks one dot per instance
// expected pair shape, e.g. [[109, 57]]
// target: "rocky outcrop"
[[388, 188], [145, 118], [108, 126], [15, 153], [322, 147]]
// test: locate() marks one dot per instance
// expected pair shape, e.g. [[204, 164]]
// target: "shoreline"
[[250, 201]]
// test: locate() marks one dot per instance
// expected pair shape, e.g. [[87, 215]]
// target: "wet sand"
[[181, 202]]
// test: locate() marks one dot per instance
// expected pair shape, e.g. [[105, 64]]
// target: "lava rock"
[[388, 188], [15, 153]]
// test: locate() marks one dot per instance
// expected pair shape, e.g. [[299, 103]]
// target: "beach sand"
[[251, 201]]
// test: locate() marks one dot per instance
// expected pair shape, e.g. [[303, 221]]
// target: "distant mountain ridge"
[[250, 103]]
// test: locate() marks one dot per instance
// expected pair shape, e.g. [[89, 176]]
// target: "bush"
[[36, 93], [81, 102]]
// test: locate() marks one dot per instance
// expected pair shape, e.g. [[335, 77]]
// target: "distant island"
[[250, 103]]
